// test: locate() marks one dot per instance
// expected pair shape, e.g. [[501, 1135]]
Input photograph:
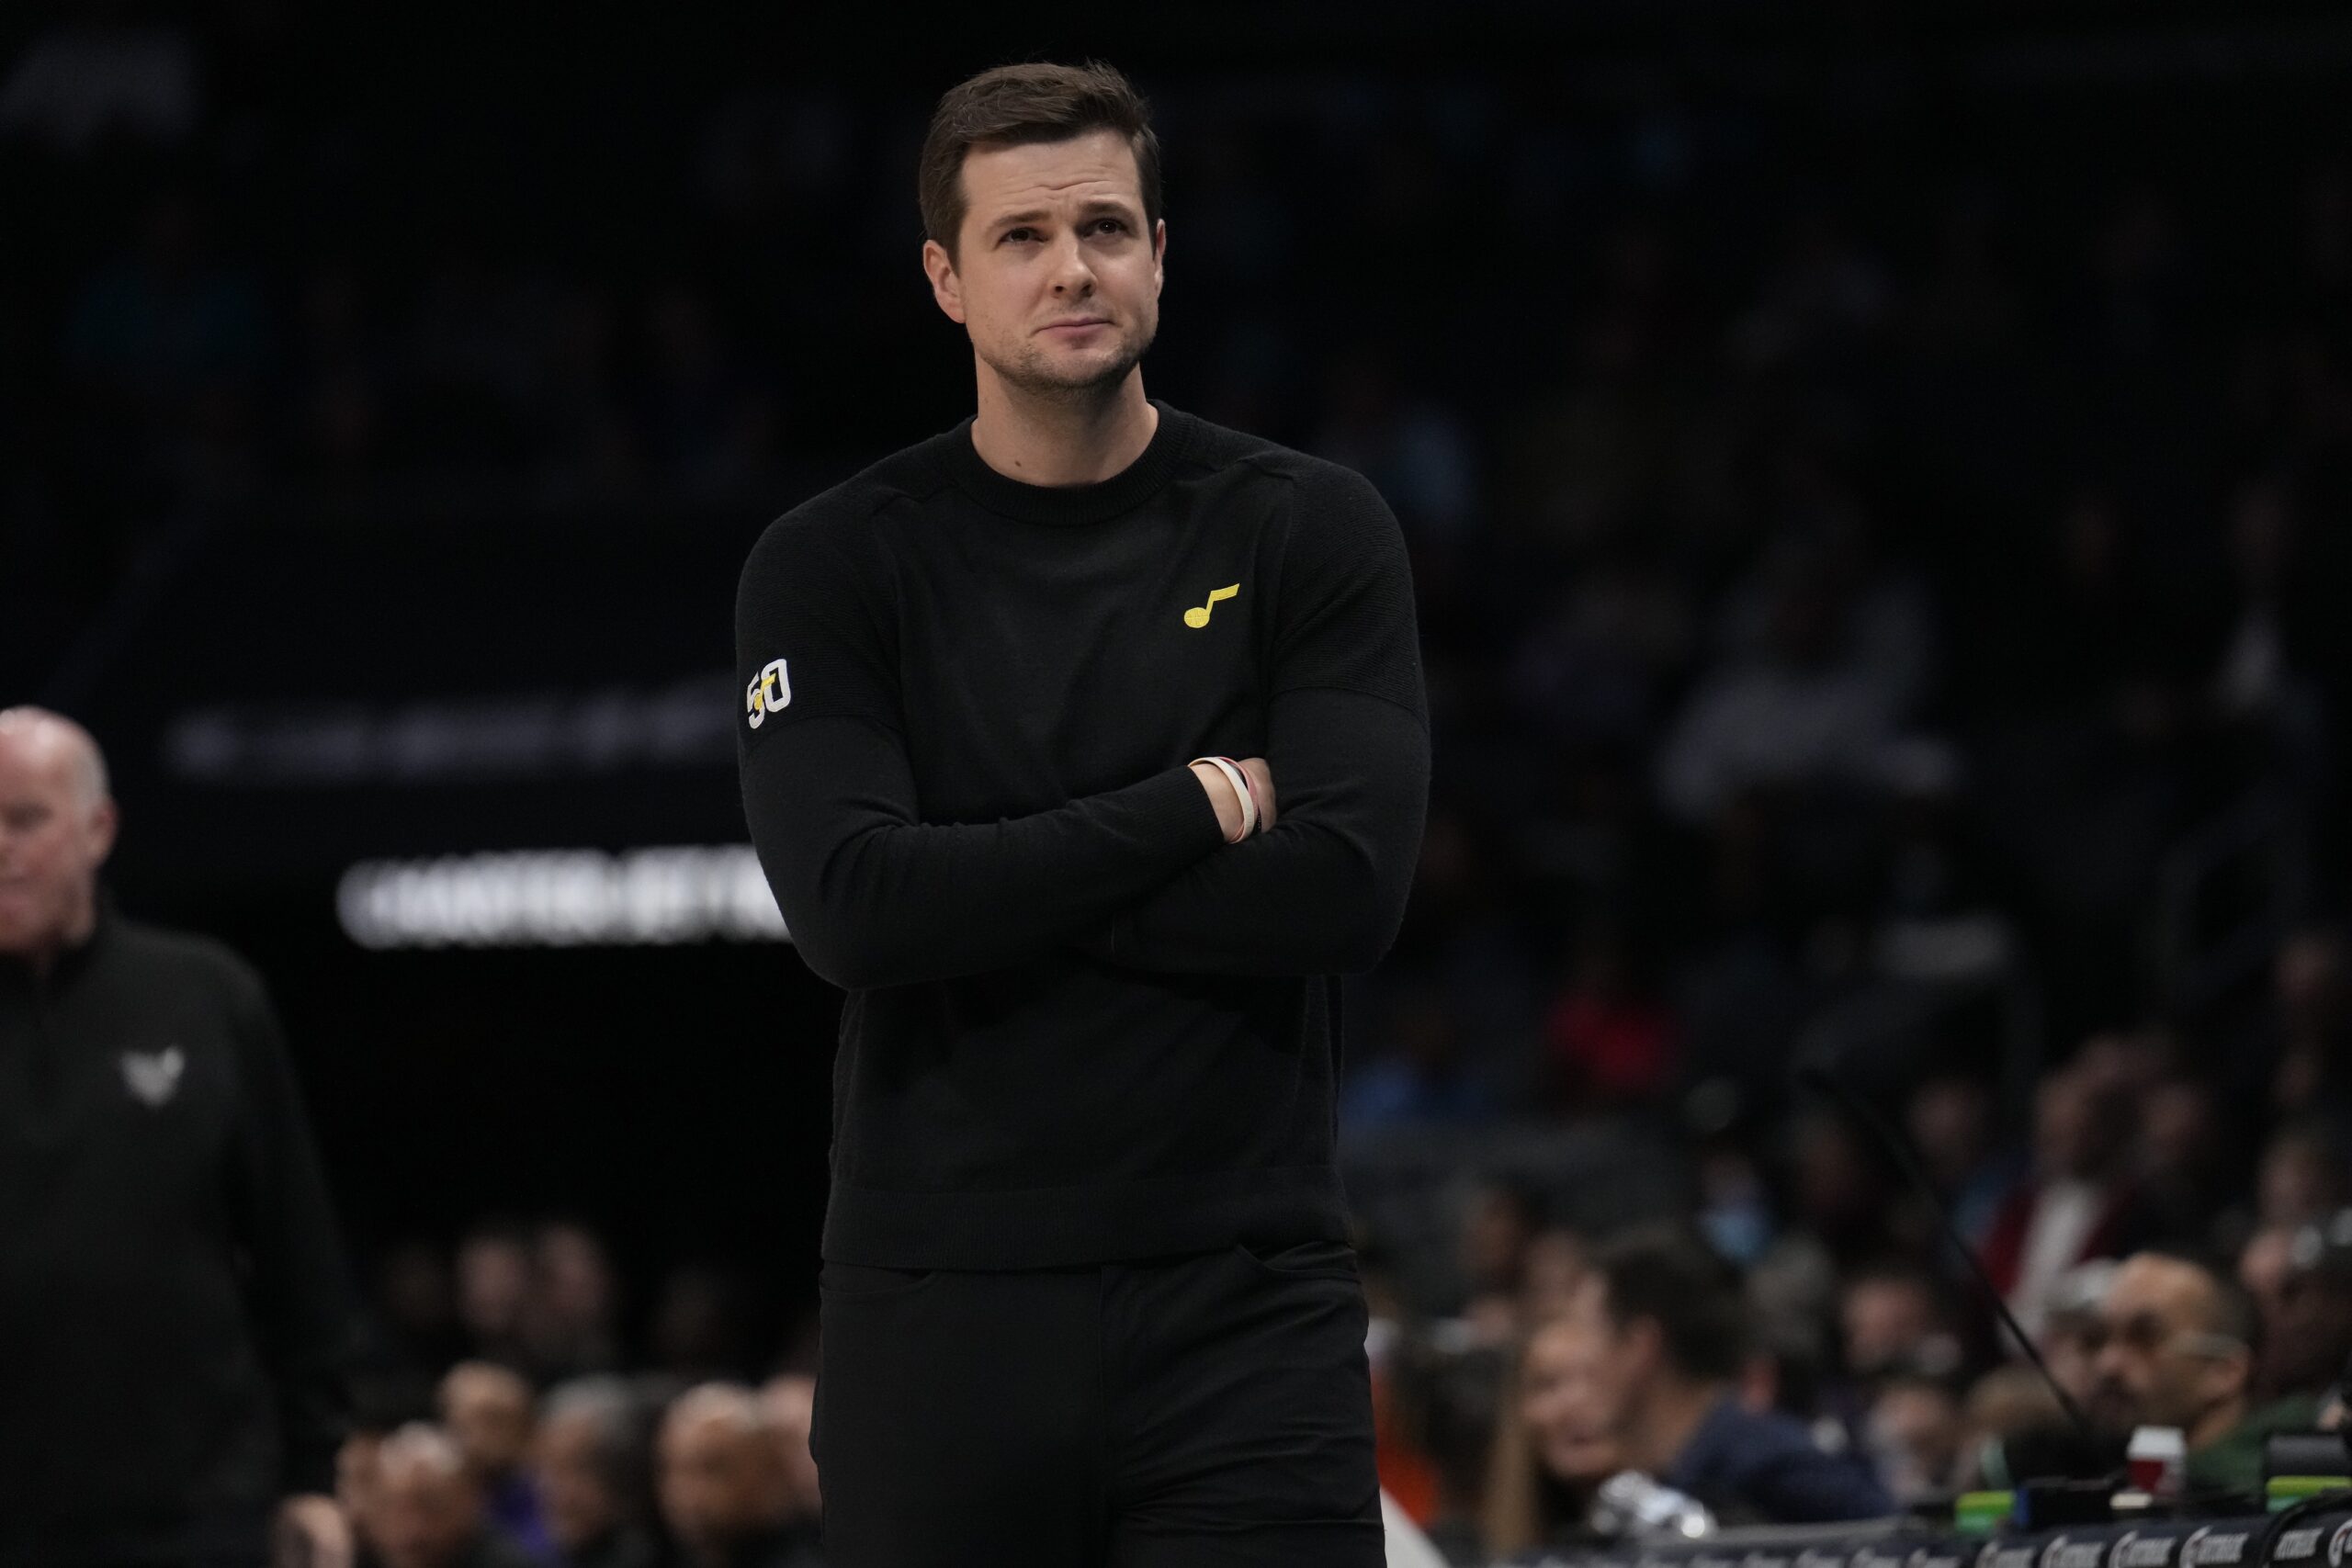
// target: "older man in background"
[[175, 1323], [720, 1476], [589, 1460]]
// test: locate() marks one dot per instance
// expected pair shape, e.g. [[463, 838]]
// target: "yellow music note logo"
[[1198, 616]]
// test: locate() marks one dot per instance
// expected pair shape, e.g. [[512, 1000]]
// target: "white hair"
[[424, 1445], [730, 1402]]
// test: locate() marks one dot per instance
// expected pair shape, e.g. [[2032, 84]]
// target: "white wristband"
[[1240, 789]]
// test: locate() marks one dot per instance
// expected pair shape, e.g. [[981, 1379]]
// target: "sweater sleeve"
[[306, 1314], [872, 894], [1323, 890]]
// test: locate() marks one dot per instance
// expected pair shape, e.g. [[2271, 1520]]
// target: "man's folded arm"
[[1321, 892], [1347, 739], [874, 897]]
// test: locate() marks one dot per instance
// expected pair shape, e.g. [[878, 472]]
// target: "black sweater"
[[173, 1314], [1080, 1026]]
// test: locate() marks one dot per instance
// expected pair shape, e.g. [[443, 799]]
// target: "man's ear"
[[104, 820], [1643, 1343], [2231, 1377], [946, 288], [1158, 256]]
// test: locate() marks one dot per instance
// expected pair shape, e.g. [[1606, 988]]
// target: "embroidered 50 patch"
[[770, 690]]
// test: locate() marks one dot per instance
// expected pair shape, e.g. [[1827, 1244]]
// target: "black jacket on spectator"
[[493, 1550], [624, 1548], [174, 1318], [779, 1549], [1752, 1468]]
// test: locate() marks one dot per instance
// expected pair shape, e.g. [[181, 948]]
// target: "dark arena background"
[[1879, 482]]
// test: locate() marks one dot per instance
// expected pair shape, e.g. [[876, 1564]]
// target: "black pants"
[[1207, 1410]]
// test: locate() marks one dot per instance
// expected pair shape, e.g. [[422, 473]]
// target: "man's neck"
[[1056, 440], [1675, 1411], [41, 959], [2217, 1422]]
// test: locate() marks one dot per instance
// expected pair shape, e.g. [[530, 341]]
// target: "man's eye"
[[1114, 224], [1020, 233]]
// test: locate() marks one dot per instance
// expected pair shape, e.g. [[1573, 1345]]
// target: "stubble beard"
[[1034, 374]]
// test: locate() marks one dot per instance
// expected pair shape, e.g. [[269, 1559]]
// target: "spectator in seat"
[[2080, 1202], [589, 1462], [2180, 1348], [488, 1411], [2300, 1281], [429, 1510], [1672, 1322], [722, 1482], [789, 1402], [1552, 1447]]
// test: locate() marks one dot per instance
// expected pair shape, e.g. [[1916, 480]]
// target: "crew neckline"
[[1094, 502]]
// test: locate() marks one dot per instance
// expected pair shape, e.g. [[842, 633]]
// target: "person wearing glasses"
[[2177, 1345]]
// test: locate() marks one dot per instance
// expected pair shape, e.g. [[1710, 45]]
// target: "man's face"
[[488, 1411], [566, 1463], [355, 1479], [1560, 1397], [56, 832], [790, 1402], [1054, 276], [718, 1481], [2159, 1362], [2312, 1329], [1885, 1321], [494, 1283], [424, 1516], [1619, 1357]]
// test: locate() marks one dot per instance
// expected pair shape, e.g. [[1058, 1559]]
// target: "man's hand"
[[311, 1533], [1229, 805]]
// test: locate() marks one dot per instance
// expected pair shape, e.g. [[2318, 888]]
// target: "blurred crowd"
[[2177, 1263], [1865, 573], [1881, 545], [1798, 1342], [500, 1420], [602, 1471]]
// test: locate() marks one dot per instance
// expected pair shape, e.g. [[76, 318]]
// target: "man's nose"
[[1072, 273]]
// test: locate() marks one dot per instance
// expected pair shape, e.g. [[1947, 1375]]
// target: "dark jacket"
[[787, 1548], [624, 1548], [174, 1318], [1752, 1469]]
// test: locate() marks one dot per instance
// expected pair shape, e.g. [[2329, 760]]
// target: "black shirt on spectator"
[[1766, 1469]]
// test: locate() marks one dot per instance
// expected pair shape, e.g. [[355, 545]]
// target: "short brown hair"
[[1014, 105], [1678, 1282]]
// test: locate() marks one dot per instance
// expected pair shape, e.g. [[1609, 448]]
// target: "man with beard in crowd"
[[2178, 1347]]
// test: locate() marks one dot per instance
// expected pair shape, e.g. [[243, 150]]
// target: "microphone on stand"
[[1890, 1138]]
